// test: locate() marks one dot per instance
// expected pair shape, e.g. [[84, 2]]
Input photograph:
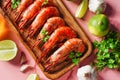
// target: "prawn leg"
[[52, 64], [23, 22], [6, 4]]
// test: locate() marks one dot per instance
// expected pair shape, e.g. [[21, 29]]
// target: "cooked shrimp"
[[22, 6], [72, 45], [51, 24], [59, 35], [31, 12], [40, 19]]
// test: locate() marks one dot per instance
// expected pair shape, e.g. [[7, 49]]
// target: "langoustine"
[[31, 12], [60, 34], [63, 52], [40, 19], [51, 24]]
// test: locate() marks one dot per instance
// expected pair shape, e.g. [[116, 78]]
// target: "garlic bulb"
[[86, 73], [97, 6]]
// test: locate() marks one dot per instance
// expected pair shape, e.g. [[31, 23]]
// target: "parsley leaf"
[[45, 2], [75, 56], [45, 33], [75, 61], [46, 38], [15, 3]]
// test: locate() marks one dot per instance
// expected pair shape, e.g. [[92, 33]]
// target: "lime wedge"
[[33, 76], [82, 9], [8, 50]]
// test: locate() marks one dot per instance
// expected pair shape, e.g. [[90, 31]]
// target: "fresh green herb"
[[75, 61], [75, 56], [45, 33], [108, 54], [46, 38], [45, 2], [15, 3]]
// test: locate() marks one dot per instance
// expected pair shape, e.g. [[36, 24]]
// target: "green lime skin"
[[98, 25]]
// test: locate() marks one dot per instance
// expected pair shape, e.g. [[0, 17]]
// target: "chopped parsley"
[[108, 54], [75, 56], [46, 38], [15, 3], [45, 2], [45, 33]]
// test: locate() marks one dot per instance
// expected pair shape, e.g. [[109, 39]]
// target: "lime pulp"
[[8, 50]]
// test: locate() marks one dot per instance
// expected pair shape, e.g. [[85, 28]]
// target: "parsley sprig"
[[15, 3], [75, 56], [45, 2], [45, 33], [108, 54]]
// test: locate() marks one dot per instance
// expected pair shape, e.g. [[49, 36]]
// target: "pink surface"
[[10, 70]]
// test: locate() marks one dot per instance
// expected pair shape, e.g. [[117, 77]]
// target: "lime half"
[[33, 76], [8, 50]]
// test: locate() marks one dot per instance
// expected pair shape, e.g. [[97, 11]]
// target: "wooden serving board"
[[70, 21]]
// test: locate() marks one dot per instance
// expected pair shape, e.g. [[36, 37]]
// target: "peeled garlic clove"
[[25, 67]]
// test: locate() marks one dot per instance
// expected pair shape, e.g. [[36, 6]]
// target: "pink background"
[[11, 70]]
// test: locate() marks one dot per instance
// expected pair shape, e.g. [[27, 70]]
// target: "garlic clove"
[[25, 67]]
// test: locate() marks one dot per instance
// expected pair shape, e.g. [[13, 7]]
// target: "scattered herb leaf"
[[46, 38], [75, 61], [45, 2], [78, 54], [45, 33], [75, 56], [15, 3]]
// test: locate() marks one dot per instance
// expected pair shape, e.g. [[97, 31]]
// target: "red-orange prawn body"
[[31, 12], [59, 35], [22, 6], [40, 19], [63, 52], [51, 24]]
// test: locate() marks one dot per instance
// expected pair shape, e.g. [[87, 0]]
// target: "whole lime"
[[98, 25]]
